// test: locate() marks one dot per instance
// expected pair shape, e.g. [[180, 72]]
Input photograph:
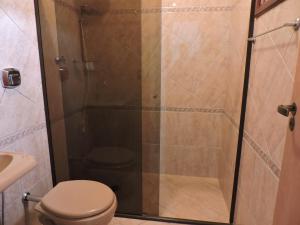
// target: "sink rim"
[[20, 165], [9, 161]]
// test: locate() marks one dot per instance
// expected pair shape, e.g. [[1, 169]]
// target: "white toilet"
[[78, 202]]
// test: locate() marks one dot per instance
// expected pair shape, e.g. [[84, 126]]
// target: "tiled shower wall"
[[22, 120], [203, 62], [271, 84], [194, 62]]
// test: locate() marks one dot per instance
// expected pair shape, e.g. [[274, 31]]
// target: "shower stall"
[[145, 97]]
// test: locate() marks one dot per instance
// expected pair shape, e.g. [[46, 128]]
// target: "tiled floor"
[[192, 198], [124, 221]]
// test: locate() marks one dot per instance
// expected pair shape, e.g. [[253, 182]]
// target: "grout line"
[[28, 39], [275, 46], [20, 93], [12, 138], [12, 20], [2, 95], [144, 108]]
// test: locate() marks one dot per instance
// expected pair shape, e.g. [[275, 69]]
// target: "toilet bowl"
[[78, 202]]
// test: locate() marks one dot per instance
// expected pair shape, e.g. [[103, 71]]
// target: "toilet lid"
[[78, 199]]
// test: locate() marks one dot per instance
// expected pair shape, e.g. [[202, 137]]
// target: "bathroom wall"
[[23, 127], [271, 84]]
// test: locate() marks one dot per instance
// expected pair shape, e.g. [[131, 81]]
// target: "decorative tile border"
[[93, 12], [10, 139], [162, 10], [169, 10], [267, 159], [201, 110], [197, 9], [144, 108], [256, 147], [159, 109]]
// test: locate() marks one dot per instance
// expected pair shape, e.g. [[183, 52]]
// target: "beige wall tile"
[[189, 160], [256, 178], [192, 129], [192, 57]]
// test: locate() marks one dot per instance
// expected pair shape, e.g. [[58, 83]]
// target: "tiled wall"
[[22, 118], [194, 61], [271, 84]]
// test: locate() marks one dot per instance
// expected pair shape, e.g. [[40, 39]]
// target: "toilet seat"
[[78, 202], [78, 199], [104, 218]]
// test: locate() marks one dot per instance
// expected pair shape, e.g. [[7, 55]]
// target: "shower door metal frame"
[[243, 111], [240, 136]]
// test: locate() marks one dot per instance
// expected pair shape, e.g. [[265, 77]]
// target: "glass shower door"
[[105, 87]]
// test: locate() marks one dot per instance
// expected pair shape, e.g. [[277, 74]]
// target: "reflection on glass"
[[147, 100]]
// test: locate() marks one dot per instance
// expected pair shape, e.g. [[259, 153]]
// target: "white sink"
[[13, 166]]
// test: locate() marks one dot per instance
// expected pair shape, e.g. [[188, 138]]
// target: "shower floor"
[[194, 198]]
